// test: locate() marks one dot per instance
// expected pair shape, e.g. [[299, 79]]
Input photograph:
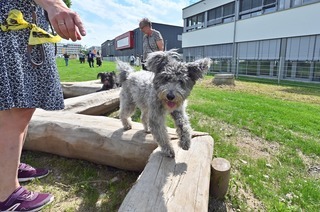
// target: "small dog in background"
[[161, 90], [108, 79]]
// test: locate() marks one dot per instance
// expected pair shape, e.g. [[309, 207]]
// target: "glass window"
[[288, 69], [193, 20], [303, 70], [216, 65], [252, 67], [256, 3], [245, 5], [267, 2], [225, 66], [295, 3], [196, 21], [309, 1], [316, 72], [275, 66], [265, 68], [242, 67], [215, 13], [200, 18], [249, 4], [228, 9], [281, 4]]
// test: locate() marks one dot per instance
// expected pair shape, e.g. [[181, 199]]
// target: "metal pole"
[[234, 47]]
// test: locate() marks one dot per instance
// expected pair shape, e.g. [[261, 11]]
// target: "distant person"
[[132, 59], [98, 59], [152, 39], [82, 58], [137, 61], [91, 59], [66, 58]]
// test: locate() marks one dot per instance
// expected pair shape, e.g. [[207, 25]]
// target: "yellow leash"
[[38, 36]]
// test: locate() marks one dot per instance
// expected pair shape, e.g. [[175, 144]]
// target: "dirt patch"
[[312, 163]]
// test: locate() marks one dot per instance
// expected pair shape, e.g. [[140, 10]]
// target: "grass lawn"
[[269, 133]]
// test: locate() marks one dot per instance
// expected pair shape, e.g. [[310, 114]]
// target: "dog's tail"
[[124, 70]]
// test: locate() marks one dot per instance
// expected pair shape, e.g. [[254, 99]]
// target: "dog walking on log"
[[161, 90]]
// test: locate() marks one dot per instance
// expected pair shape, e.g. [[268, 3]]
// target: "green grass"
[[76, 72], [259, 123]]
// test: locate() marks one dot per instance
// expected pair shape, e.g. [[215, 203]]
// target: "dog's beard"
[[171, 104]]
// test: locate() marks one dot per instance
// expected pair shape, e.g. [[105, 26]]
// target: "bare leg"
[[13, 127]]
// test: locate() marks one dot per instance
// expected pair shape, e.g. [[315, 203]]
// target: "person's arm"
[[160, 45], [65, 22]]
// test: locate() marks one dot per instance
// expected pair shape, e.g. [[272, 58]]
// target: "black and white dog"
[[108, 79]]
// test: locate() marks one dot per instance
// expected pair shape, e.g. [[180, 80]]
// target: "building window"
[[316, 72], [289, 65], [251, 8], [265, 67], [222, 14], [297, 69], [303, 70], [215, 16], [310, 1], [295, 3], [220, 65], [195, 22], [228, 12]]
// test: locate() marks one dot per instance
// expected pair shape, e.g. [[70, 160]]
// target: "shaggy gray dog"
[[161, 90]]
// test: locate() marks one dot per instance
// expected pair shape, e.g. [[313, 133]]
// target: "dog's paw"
[[168, 152], [185, 144], [127, 127]]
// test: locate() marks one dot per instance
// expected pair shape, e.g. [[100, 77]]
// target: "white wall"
[[209, 36], [293, 22], [202, 6], [288, 23]]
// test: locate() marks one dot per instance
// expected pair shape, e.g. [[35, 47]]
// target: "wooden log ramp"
[[179, 184]]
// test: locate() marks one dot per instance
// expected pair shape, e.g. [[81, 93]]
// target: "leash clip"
[[30, 47]]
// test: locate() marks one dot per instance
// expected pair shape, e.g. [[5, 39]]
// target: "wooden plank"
[[179, 184]]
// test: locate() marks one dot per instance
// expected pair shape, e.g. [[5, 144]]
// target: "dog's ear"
[[157, 60], [99, 75], [198, 68]]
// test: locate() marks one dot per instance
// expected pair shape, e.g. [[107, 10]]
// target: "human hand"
[[65, 22]]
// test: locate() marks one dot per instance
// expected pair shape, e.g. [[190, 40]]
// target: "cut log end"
[[220, 176]]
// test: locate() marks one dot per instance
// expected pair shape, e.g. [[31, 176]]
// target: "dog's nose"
[[170, 96]]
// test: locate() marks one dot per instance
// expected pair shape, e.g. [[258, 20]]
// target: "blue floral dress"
[[21, 84]]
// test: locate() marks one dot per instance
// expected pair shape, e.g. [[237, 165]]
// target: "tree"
[[68, 3]]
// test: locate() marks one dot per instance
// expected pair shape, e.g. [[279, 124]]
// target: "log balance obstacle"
[[165, 184]]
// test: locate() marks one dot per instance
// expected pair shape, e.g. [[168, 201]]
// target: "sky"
[[106, 19]]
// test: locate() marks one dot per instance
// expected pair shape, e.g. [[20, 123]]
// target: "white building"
[[278, 39], [72, 49]]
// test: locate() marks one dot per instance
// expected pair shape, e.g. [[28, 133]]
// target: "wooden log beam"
[[94, 138], [96, 103], [179, 184], [73, 89]]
